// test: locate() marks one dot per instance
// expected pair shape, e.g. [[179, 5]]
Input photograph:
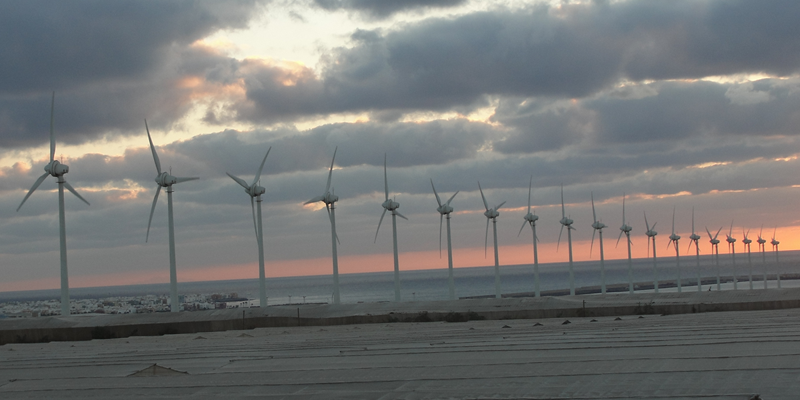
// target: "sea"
[[426, 285]]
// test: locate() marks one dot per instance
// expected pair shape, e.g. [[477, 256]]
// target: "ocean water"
[[432, 284]]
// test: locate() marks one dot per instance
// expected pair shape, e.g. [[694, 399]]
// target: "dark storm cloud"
[[568, 52], [380, 9], [665, 114], [110, 63]]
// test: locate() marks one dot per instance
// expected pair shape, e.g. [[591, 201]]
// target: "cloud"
[[381, 9], [110, 63], [570, 51], [670, 114]]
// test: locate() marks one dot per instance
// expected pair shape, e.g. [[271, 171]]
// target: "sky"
[[680, 105]]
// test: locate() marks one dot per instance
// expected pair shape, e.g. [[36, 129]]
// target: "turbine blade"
[[451, 197], [530, 185], [563, 213], [594, 216], [731, 230], [497, 207], [238, 180], [52, 133], [591, 246], [385, 178], [330, 171], [255, 224], [645, 221], [153, 208], [718, 231], [690, 245], [619, 238], [654, 225], [72, 190], [709, 234], [486, 206], [441, 219], [486, 240], [41, 179], [648, 246], [692, 220], [261, 167], [153, 148], [179, 180], [438, 200], [379, 226], [558, 243], [400, 215], [333, 224], [315, 199], [522, 227], [623, 208]]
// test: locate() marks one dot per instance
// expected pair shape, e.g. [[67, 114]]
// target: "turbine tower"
[[694, 237], [492, 214], [626, 229], [255, 191], [445, 210], [746, 242], [732, 249], [568, 223], [775, 244], [598, 228], [761, 246], [57, 170], [530, 219], [651, 236], [166, 180], [329, 198], [673, 240], [391, 205], [715, 250]]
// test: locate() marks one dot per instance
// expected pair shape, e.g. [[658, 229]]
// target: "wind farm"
[[616, 111]]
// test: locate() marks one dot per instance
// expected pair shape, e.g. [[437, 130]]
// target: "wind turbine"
[[329, 198], [732, 249], [761, 246], [651, 235], [165, 179], [255, 191], [746, 242], [568, 223], [673, 240], [57, 170], [626, 229], [445, 209], [391, 205], [531, 219], [715, 250], [598, 227], [694, 237], [492, 214], [775, 244]]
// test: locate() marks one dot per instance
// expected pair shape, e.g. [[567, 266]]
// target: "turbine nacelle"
[[730, 239], [694, 237], [566, 222], [674, 237], [164, 179], [747, 241], [598, 225], [651, 233], [531, 218], [491, 213], [444, 209], [714, 241], [775, 242], [626, 228], [390, 205], [255, 190], [56, 168], [761, 240]]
